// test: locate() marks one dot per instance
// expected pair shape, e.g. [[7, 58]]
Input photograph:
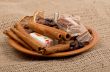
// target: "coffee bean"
[[72, 45], [76, 44], [80, 45], [50, 22]]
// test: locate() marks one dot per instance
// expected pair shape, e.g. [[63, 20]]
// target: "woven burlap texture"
[[94, 13]]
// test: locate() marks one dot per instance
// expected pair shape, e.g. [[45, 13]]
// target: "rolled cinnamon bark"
[[10, 34], [23, 28], [48, 31], [19, 27], [21, 48], [29, 40], [56, 48], [65, 35]]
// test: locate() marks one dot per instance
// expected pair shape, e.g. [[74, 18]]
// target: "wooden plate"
[[17, 46]]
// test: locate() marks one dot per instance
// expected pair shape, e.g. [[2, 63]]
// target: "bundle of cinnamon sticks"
[[43, 26]]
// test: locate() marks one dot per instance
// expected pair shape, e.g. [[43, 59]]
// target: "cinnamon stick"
[[48, 31], [10, 34], [29, 40], [56, 48], [19, 27], [21, 48]]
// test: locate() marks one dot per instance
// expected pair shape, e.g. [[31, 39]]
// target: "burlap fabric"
[[94, 13]]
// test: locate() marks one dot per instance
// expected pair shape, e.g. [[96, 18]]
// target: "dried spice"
[[67, 32], [12, 35], [72, 45], [75, 29], [48, 31], [80, 44], [56, 48]]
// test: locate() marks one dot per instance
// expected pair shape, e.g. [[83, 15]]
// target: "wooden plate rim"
[[61, 54]]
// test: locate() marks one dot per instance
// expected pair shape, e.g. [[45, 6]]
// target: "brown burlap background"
[[94, 13]]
